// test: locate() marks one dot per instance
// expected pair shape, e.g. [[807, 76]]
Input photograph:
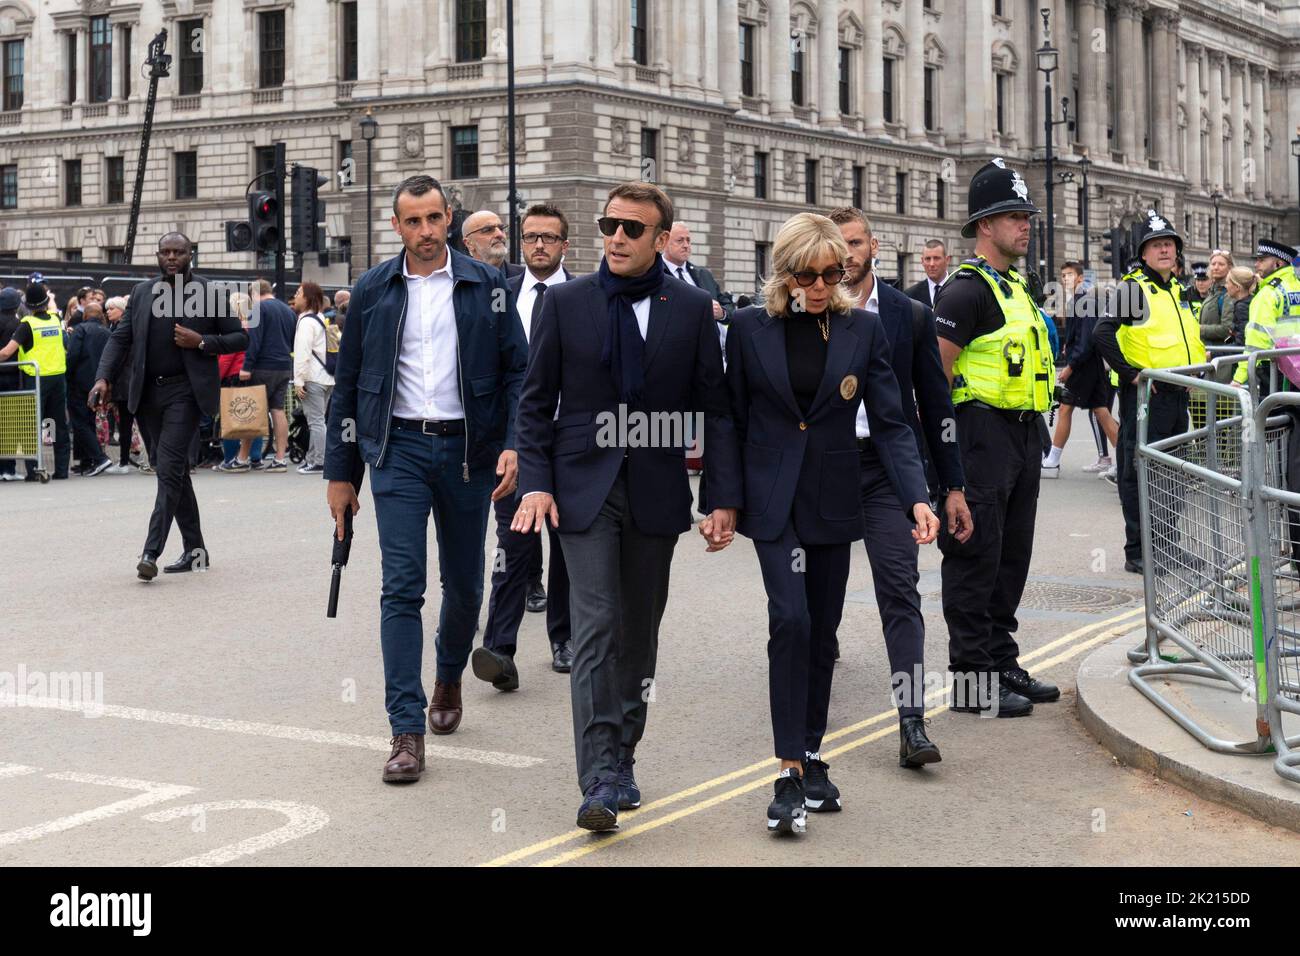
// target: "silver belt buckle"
[[424, 427]]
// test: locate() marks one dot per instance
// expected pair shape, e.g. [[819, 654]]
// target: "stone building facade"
[[746, 111]]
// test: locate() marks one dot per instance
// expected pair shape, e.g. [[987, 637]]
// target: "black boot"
[[914, 747]]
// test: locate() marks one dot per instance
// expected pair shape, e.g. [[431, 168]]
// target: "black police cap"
[[995, 189]]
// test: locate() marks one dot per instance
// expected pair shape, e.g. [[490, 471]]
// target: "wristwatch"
[[961, 488]]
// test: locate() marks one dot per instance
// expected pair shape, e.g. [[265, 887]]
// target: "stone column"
[[1216, 59], [729, 52], [979, 70], [914, 68], [1237, 153], [572, 42], [828, 62], [1092, 82], [873, 66], [778, 59], [368, 65], [686, 44], [1130, 19], [1164, 94], [1195, 175], [528, 41], [709, 48], [83, 65], [1259, 186], [1285, 124]]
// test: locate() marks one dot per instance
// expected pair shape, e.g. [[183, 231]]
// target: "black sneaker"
[[1018, 679], [786, 812], [820, 795], [599, 810], [629, 794]]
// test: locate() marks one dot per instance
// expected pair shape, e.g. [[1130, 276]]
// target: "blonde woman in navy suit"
[[797, 368]]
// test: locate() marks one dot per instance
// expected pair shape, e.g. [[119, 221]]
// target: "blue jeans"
[[230, 449], [423, 475]]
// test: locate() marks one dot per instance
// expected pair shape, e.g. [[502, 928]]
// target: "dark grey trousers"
[[618, 587]]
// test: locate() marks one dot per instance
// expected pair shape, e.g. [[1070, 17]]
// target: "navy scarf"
[[624, 353]]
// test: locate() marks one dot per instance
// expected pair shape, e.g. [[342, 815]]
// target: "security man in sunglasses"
[[995, 350]]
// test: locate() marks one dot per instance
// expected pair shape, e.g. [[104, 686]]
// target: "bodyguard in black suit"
[[927, 408], [519, 553], [174, 380], [798, 369], [627, 344], [935, 261]]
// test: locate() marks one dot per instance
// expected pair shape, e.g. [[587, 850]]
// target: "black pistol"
[[339, 559]]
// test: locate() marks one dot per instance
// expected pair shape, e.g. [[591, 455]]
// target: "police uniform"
[[1002, 383], [40, 340], [1274, 322], [1154, 327]]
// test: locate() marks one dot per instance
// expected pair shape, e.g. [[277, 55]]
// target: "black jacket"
[[129, 343], [921, 293], [85, 344], [9, 380], [704, 280]]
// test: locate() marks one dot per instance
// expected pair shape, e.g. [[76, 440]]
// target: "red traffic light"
[[266, 207]]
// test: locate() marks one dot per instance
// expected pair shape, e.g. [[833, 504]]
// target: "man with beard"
[[485, 239]]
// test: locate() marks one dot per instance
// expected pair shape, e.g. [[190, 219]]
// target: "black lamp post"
[[1047, 57], [369, 130], [1084, 164], [1217, 197]]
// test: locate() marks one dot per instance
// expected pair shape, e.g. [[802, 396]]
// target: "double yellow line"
[[1107, 630]]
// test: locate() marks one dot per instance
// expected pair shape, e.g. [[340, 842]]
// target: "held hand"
[[533, 511], [960, 523], [100, 395], [508, 469], [341, 496], [244, 376], [187, 338], [300, 391], [927, 523], [719, 528]]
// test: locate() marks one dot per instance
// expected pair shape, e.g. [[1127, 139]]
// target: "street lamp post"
[[1047, 56], [369, 129], [1217, 197]]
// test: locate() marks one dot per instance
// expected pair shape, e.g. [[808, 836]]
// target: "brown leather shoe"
[[406, 762], [445, 709]]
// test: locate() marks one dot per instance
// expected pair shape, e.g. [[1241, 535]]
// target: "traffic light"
[[305, 208], [1112, 252], [262, 210], [239, 236]]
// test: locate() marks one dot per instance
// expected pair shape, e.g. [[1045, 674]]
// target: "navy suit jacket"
[[570, 456], [806, 467], [922, 383]]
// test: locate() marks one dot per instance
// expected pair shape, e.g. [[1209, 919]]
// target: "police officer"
[[996, 352], [39, 339], [1151, 326], [1274, 322]]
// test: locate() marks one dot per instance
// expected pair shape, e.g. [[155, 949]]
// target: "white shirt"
[[934, 286], [428, 383], [872, 304], [310, 343], [685, 272], [528, 292]]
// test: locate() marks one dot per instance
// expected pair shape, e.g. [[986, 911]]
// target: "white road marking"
[[15, 770], [152, 793], [303, 819], [280, 731]]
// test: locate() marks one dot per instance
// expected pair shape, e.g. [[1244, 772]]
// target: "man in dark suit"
[[486, 240], [174, 380], [518, 560], [927, 408], [935, 261], [618, 348], [677, 260]]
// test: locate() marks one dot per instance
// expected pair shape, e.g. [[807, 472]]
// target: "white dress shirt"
[[685, 276], [428, 383], [872, 304], [528, 292], [934, 287]]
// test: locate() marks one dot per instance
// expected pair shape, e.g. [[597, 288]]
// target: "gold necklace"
[[825, 325]]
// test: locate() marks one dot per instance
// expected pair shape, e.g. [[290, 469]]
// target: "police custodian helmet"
[[1157, 227], [993, 191]]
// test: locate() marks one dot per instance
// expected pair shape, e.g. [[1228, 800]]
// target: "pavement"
[[218, 718]]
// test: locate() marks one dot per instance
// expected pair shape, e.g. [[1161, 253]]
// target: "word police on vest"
[[75, 909]]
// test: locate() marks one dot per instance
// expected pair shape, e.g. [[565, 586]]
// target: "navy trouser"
[[516, 564], [893, 555], [422, 476], [1166, 417], [805, 599]]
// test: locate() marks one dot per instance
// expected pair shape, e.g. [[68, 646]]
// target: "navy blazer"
[[921, 380], [570, 459], [807, 467], [492, 356]]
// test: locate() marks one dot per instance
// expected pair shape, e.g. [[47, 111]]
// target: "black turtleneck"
[[805, 356]]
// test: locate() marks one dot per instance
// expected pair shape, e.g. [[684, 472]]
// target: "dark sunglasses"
[[807, 277], [632, 228]]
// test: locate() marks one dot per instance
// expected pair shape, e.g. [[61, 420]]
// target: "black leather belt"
[[454, 426], [170, 379], [864, 444], [1014, 414]]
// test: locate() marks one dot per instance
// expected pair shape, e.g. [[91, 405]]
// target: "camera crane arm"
[[159, 64]]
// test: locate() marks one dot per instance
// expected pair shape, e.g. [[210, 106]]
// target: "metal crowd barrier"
[[1219, 580], [20, 421]]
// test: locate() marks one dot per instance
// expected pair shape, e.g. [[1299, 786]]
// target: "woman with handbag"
[[229, 367]]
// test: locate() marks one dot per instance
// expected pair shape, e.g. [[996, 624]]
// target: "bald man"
[[487, 241]]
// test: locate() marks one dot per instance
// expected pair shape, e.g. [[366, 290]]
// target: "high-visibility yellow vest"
[[47, 346], [1012, 366], [1274, 314], [1170, 335]]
